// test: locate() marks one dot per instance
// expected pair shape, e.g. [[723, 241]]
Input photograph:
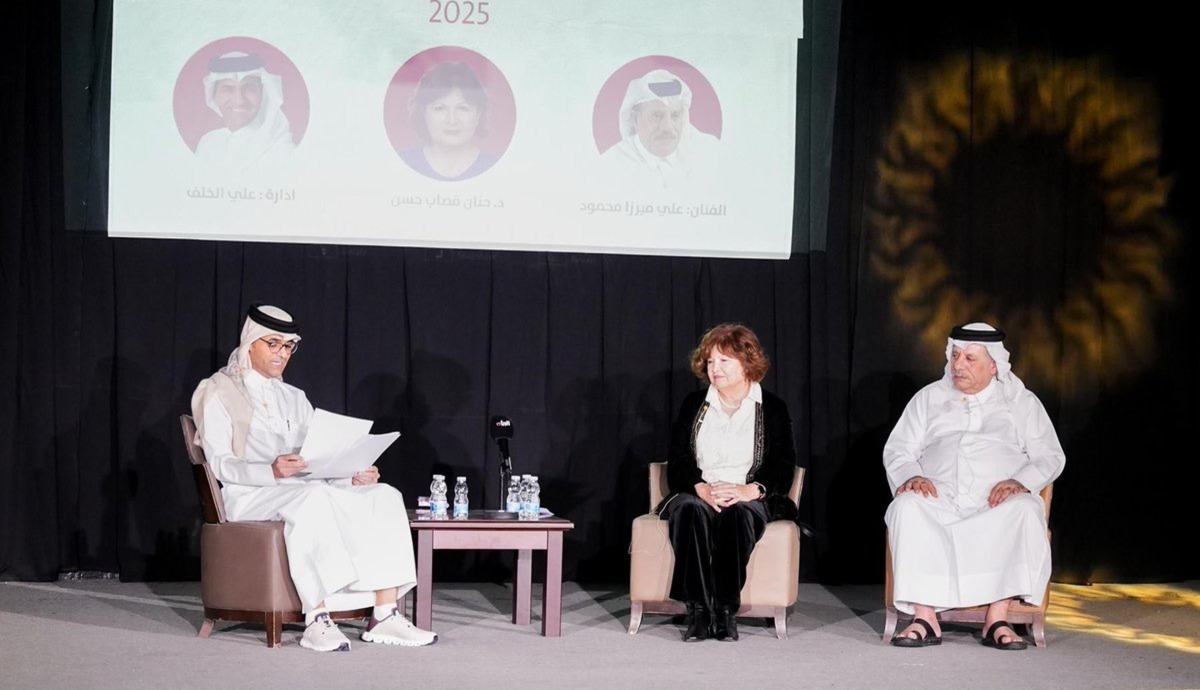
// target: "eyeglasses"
[[275, 345]]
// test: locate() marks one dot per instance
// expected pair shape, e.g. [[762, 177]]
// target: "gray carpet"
[[99, 634]]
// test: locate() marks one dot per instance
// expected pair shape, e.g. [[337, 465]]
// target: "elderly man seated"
[[348, 541], [966, 462]]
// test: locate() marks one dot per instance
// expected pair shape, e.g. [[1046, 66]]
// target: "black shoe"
[[725, 624], [699, 620]]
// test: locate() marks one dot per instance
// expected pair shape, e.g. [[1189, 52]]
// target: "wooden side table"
[[494, 530]]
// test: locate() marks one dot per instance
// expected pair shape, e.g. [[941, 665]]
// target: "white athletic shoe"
[[322, 635], [396, 629]]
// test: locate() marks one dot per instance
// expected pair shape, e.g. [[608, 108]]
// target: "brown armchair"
[[244, 573], [1018, 613], [772, 575]]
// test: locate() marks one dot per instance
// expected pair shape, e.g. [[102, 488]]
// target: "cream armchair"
[[772, 576]]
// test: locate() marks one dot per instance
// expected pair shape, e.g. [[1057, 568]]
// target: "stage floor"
[[104, 634]]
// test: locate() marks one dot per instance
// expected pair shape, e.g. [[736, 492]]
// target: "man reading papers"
[[347, 539]]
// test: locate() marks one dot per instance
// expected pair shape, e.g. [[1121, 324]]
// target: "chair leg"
[[1039, 630], [781, 622], [892, 617], [274, 624], [635, 616], [206, 628]]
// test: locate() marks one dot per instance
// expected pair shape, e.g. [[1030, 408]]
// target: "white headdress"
[[991, 338], [656, 85], [261, 321]]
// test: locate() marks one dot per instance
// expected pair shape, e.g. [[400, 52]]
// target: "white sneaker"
[[322, 635], [396, 629]]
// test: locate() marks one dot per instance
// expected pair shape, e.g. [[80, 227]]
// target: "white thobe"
[[688, 164], [954, 550], [251, 148], [344, 542]]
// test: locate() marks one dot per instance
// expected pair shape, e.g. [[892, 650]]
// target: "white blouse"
[[725, 443]]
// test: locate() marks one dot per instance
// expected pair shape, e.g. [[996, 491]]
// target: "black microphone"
[[502, 430]]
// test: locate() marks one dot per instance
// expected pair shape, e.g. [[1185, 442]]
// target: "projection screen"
[[664, 128]]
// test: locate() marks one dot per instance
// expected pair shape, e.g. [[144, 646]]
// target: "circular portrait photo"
[[449, 113], [659, 119], [240, 103]]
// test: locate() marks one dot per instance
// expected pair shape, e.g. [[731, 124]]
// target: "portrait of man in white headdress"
[[659, 147], [249, 101]]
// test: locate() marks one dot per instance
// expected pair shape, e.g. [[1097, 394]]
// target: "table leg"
[[522, 586], [552, 590], [423, 597]]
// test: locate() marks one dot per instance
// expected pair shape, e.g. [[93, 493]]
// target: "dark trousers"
[[711, 548]]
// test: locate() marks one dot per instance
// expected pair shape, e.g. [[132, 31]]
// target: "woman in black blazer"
[[731, 464]]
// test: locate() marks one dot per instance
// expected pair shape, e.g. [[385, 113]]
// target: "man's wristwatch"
[[762, 491]]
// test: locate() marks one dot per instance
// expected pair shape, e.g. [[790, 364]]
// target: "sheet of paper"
[[330, 434], [338, 446]]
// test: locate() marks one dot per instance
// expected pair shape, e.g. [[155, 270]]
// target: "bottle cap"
[[439, 476], [533, 477], [462, 479]]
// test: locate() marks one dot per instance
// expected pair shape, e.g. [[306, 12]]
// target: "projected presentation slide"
[[663, 128]]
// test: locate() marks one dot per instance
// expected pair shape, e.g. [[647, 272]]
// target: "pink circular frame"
[[501, 105], [194, 118]]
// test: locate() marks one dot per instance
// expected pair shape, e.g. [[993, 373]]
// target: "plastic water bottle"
[[437, 496], [523, 495], [461, 505], [512, 504], [533, 501], [535, 498]]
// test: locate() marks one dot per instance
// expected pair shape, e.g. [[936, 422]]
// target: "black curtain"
[[1026, 163], [103, 340]]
